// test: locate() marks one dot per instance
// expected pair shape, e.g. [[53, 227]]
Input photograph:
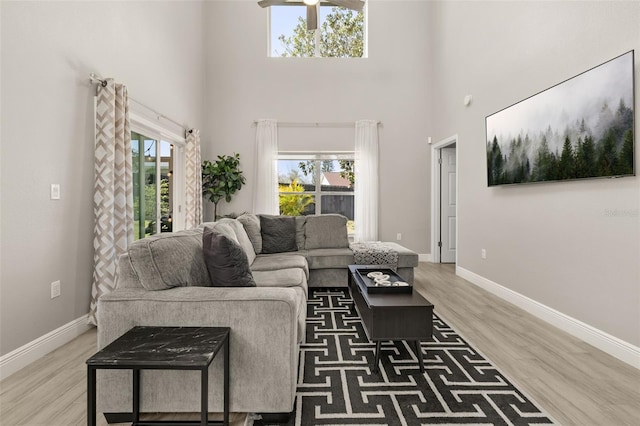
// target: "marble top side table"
[[162, 348]]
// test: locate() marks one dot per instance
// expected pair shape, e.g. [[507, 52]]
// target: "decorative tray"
[[383, 280]]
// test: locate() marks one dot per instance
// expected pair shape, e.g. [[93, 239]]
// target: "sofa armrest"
[[123, 309], [264, 342]]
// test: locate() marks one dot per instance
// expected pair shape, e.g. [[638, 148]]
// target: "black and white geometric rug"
[[337, 387]]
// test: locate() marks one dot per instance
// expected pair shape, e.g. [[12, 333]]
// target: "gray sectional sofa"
[[164, 280]]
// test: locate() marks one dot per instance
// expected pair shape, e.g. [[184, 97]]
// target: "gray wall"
[[555, 242], [48, 51], [391, 85]]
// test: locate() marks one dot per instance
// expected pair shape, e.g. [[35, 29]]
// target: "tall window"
[[340, 33], [158, 177], [152, 185], [317, 183]]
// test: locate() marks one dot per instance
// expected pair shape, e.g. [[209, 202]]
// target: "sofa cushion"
[[326, 231], [251, 224], [278, 233], [272, 262], [293, 277], [241, 236], [226, 261], [330, 258], [169, 260]]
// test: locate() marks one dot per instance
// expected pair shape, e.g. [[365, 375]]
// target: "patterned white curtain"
[[366, 184], [265, 195], [113, 188], [193, 180]]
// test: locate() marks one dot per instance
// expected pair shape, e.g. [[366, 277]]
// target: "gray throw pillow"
[[227, 263], [278, 233], [251, 225]]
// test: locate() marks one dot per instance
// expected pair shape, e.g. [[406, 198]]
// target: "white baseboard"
[[425, 257], [36, 349], [618, 348]]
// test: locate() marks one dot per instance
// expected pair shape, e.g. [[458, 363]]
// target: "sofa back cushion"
[[326, 231], [226, 261], [251, 224], [278, 234], [169, 260]]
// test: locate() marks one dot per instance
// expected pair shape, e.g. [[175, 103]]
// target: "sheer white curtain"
[[366, 183], [265, 195], [113, 188], [193, 180]]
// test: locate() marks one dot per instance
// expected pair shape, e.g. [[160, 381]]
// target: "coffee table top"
[[162, 347], [386, 299]]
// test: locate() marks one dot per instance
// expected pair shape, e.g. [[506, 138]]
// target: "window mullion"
[[318, 186], [158, 211]]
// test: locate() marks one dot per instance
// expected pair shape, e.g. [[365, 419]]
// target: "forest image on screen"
[[581, 128]]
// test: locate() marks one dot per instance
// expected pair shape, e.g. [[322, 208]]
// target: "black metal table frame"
[[361, 288], [204, 392]]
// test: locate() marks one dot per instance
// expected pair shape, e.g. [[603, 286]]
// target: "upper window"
[[340, 33], [315, 184]]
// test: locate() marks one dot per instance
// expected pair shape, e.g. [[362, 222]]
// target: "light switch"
[[55, 191]]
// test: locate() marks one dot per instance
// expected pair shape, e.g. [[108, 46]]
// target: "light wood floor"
[[576, 383], [573, 381]]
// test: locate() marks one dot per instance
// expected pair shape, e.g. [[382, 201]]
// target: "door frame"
[[435, 195]]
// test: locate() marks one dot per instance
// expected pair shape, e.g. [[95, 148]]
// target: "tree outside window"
[[340, 33]]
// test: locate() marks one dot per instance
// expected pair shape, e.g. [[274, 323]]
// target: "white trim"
[[435, 200], [425, 257], [36, 349], [140, 124], [612, 345]]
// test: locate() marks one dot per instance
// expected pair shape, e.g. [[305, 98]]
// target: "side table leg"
[[204, 394], [136, 396], [91, 396], [419, 355], [226, 381]]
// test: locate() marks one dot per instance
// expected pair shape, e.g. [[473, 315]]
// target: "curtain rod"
[[96, 79], [336, 124]]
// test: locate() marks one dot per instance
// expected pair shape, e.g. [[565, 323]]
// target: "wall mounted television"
[[580, 128]]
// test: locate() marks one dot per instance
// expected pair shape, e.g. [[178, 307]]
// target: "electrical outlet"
[[483, 254], [55, 289], [399, 236]]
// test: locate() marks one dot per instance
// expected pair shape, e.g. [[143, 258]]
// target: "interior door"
[[448, 205]]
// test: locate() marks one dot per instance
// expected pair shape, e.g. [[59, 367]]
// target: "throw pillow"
[[278, 233], [251, 225], [226, 262], [301, 222], [326, 231]]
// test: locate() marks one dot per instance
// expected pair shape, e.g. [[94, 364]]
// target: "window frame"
[[146, 127]]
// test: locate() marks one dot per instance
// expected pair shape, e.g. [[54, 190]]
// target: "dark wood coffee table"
[[163, 348], [391, 316]]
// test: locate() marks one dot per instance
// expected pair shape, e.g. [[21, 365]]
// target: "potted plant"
[[221, 179]]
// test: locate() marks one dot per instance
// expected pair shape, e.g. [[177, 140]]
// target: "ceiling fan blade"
[[356, 5], [312, 17], [267, 3]]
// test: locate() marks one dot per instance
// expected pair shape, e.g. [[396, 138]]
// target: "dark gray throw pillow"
[[227, 263], [278, 233]]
